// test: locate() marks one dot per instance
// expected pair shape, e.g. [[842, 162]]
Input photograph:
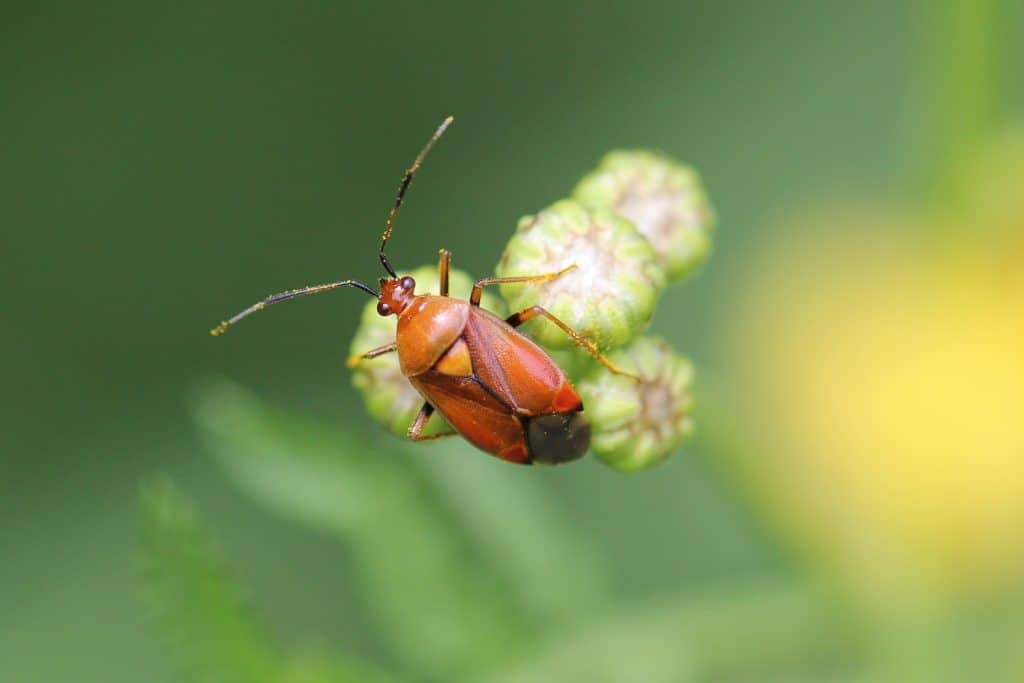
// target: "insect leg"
[[478, 288], [517, 319], [372, 353], [421, 421], [443, 266]]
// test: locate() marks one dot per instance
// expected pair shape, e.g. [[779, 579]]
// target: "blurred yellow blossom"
[[885, 377]]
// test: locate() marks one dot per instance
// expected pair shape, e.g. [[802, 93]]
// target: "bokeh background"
[[858, 332]]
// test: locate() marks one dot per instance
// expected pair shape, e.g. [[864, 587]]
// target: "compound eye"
[[383, 309], [408, 283]]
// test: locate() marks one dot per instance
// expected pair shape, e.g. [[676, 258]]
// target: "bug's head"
[[395, 295]]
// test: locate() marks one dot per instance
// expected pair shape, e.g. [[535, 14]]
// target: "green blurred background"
[[163, 165]]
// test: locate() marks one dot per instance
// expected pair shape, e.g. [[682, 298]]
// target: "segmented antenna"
[[403, 187], [290, 294]]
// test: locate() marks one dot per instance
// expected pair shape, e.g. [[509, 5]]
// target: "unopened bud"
[[663, 198], [637, 424], [608, 297]]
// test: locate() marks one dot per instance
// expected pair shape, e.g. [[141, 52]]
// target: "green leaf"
[[323, 667], [555, 572], [194, 599], [644, 646], [422, 578], [748, 634]]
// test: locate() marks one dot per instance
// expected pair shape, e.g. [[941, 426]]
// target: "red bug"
[[492, 384]]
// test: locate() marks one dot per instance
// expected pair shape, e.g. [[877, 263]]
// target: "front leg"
[[355, 360], [420, 422]]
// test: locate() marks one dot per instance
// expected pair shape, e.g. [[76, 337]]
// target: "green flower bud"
[[636, 425], [576, 363], [608, 297], [388, 396], [663, 198]]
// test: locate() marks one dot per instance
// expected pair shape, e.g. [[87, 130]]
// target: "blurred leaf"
[[442, 614], [966, 49], [646, 645], [553, 571], [735, 635], [742, 632], [211, 629], [322, 667], [194, 598]]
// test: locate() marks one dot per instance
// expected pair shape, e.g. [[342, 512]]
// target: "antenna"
[[285, 296], [403, 187]]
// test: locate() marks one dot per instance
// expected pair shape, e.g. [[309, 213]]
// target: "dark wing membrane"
[[558, 438], [475, 413]]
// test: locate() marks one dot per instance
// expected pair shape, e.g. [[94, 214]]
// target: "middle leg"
[[416, 428], [478, 288], [443, 266]]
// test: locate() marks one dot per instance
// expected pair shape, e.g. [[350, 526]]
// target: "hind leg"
[[517, 319]]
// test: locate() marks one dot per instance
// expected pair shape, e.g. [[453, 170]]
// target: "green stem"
[[964, 49]]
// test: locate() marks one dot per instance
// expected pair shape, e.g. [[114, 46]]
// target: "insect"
[[492, 384]]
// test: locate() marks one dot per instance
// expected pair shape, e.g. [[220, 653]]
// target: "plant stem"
[[964, 56]]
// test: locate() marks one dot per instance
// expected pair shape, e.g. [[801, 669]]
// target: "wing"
[[476, 413], [515, 368]]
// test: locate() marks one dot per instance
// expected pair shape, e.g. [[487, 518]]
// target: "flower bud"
[[637, 424], [610, 294], [576, 363], [663, 198], [388, 395]]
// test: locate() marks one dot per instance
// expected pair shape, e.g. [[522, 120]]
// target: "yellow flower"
[[888, 386]]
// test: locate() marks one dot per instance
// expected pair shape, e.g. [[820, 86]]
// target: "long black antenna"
[[402, 188], [290, 294]]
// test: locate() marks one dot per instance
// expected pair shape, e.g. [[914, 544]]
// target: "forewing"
[[516, 368], [473, 412]]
